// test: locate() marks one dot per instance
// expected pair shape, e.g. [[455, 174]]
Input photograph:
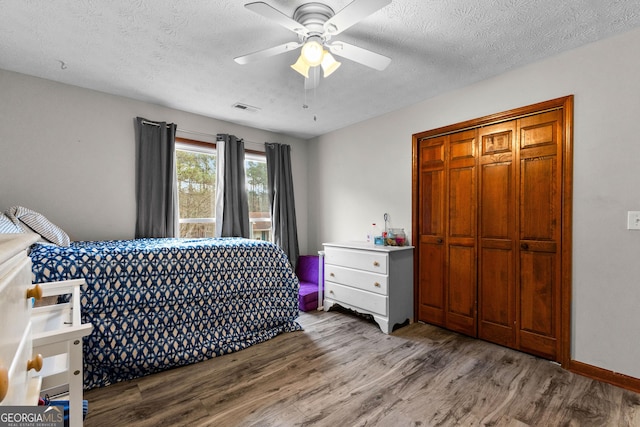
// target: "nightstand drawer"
[[372, 282], [356, 298], [376, 262]]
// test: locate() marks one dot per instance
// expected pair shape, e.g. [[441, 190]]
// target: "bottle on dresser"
[[372, 233]]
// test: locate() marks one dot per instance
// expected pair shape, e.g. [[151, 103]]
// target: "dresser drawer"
[[356, 298], [365, 280], [19, 375], [375, 262], [15, 275]]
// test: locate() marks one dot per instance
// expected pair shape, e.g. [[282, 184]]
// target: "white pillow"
[[41, 225], [8, 226]]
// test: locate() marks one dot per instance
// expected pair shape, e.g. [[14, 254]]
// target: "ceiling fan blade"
[[360, 55], [261, 8], [266, 53], [353, 13], [314, 78]]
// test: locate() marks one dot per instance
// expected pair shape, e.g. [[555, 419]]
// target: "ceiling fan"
[[315, 24]]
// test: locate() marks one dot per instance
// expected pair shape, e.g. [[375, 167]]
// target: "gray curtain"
[[232, 206], [283, 211], [156, 193]]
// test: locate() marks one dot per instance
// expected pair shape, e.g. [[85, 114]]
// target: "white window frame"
[[250, 155], [253, 156], [185, 146]]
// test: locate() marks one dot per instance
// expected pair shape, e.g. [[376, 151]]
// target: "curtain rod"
[[145, 122]]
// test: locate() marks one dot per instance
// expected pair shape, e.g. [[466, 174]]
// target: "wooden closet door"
[[460, 280], [447, 260], [492, 226], [497, 233], [539, 240], [431, 230], [520, 233]]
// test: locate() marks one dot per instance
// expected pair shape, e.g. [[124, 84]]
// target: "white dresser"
[[375, 280], [17, 361]]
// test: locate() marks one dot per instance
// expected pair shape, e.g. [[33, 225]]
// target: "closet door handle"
[[524, 246]]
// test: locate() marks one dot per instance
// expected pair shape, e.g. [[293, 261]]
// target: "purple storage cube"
[[307, 272]]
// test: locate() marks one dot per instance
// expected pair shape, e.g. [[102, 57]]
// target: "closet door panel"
[[432, 153], [540, 157], [537, 193], [536, 292], [432, 188], [462, 189], [496, 206], [432, 197], [539, 321], [431, 305], [540, 205], [461, 283], [497, 224], [461, 280], [462, 206], [541, 130], [496, 296], [461, 290]]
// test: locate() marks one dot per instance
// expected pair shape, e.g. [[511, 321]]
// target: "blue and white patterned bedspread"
[[161, 303]]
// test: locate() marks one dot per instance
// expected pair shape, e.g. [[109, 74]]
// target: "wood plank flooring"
[[342, 371]]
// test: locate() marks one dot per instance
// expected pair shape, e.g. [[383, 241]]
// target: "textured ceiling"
[[180, 53]]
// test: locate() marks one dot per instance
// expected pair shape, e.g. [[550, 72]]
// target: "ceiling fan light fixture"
[[312, 53], [316, 24], [301, 67], [329, 64]]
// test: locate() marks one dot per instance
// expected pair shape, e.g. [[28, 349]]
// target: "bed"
[[156, 304]]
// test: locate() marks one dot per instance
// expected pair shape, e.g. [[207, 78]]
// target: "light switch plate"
[[633, 220]]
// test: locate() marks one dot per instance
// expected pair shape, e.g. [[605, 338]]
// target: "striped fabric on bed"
[[41, 225], [7, 226]]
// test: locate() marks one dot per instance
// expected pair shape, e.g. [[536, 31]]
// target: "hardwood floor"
[[342, 371]]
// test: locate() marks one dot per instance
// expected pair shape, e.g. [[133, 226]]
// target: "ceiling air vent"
[[245, 107]]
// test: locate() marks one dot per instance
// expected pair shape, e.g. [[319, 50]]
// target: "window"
[[196, 182], [255, 169], [196, 175]]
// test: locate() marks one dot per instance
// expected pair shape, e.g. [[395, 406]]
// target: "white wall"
[[374, 158], [69, 153]]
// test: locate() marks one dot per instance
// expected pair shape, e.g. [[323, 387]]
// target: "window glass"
[[196, 182], [196, 175], [255, 169]]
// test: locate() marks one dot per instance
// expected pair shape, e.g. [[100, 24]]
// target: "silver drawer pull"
[[376, 264], [377, 285]]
